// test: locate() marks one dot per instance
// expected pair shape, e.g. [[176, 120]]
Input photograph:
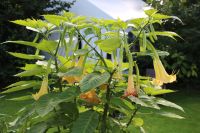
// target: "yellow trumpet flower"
[[131, 90], [90, 97], [43, 89], [161, 76], [74, 79]]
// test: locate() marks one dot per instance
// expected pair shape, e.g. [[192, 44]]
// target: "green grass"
[[190, 101]]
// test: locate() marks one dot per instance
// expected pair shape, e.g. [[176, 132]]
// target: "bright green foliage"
[[81, 91], [86, 123]]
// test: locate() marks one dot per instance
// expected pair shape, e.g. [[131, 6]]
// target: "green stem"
[[132, 116], [56, 60], [106, 106], [137, 74], [101, 57]]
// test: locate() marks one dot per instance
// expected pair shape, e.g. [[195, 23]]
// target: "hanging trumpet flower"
[[131, 90], [43, 90], [74, 79], [90, 97], [161, 76]]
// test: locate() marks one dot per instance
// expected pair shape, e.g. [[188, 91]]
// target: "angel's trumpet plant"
[[161, 76]]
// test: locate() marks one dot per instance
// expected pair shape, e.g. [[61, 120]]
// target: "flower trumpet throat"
[[161, 76], [131, 90], [90, 97], [43, 89]]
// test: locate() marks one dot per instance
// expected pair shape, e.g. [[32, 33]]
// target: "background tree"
[[20, 9]]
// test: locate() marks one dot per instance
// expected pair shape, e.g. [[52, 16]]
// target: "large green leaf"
[[32, 72], [20, 83], [86, 123], [25, 85], [169, 114], [38, 128], [31, 23], [26, 56], [165, 33], [55, 19], [145, 101], [32, 44], [75, 71], [164, 102], [153, 91], [150, 12], [109, 45], [48, 46], [22, 116], [93, 80], [122, 103], [48, 102]]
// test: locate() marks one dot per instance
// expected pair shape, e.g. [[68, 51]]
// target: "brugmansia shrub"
[[83, 92]]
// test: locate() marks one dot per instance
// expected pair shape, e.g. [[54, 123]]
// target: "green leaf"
[[49, 101], [22, 98], [80, 52], [48, 46], [20, 83], [137, 101], [93, 80], [122, 103], [138, 122], [164, 102], [32, 72], [145, 101], [166, 33], [86, 123], [31, 23], [138, 22], [109, 45], [153, 91], [26, 56], [75, 71], [32, 44], [23, 86], [171, 115], [38, 128], [150, 12], [22, 116], [55, 19]]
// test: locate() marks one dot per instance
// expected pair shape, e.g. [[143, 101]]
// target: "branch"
[[132, 116], [92, 48]]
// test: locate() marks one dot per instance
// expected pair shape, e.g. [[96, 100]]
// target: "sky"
[[110, 9]]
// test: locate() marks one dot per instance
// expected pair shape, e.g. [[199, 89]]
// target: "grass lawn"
[[190, 101]]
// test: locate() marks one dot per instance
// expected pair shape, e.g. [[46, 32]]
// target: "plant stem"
[[106, 106], [132, 116], [92, 48]]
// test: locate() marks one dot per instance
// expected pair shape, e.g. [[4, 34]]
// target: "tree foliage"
[[20, 9]]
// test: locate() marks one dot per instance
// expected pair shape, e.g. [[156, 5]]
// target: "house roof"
[[110, 9]]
